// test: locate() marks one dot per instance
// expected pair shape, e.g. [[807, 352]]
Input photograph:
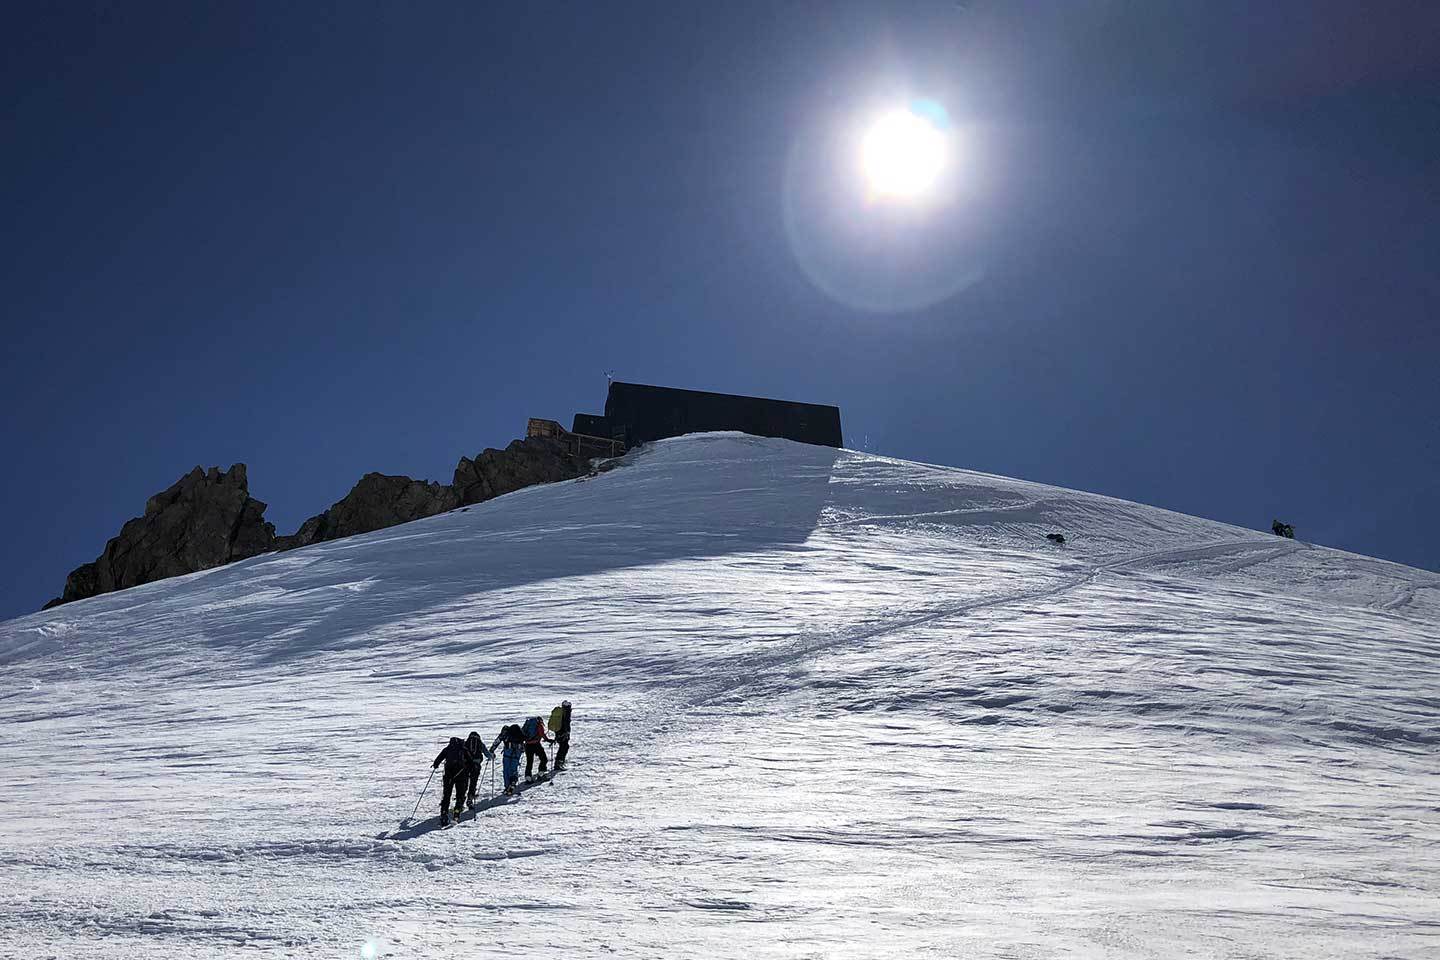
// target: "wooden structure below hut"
[[579, 444]]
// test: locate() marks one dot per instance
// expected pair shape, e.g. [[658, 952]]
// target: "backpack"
[[534, 729]]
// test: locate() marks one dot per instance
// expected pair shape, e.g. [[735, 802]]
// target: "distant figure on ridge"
[[560, 727], [513, 740]]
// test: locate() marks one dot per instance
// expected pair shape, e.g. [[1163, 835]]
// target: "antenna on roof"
[[609, 377]]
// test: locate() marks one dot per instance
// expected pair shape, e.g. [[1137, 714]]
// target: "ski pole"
[[422, 794]]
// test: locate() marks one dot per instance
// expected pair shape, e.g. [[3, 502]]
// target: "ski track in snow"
[[826, 705]]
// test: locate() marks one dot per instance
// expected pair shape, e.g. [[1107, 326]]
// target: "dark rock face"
[[207, 519], [204, 520], [379, 501], [523, 463], [376, 502]]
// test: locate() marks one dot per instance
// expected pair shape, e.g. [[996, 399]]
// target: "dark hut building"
[[637, 413]]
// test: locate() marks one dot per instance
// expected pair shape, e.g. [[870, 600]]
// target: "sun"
[[903, 153]]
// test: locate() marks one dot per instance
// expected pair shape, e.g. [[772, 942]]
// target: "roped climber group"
[[464, 759]]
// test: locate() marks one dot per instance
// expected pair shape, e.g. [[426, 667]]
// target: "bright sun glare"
[[903, 153]]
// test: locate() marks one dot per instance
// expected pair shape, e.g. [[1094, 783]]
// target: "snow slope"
[[826, 705]]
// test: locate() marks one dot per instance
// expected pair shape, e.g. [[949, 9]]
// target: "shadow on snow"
[[409, 829]]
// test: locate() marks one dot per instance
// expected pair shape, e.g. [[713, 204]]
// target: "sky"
[[1184, 253]]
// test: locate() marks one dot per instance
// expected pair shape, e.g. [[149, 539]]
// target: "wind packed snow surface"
[[826, 705]]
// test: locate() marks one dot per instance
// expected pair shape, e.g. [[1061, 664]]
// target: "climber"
[[475, 757], [513, 740], [560, 727], [534, 731], [457, 774]]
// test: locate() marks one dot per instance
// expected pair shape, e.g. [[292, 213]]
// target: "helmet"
[[564, 703]]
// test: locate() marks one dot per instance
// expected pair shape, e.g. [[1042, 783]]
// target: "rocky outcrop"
[[523, 463], [376, 502], [379, 501], [207, 518]]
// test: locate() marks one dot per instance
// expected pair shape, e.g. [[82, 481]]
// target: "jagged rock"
[[376, 502], [204, 520], [207, 519], [82, 582], [522, 464]]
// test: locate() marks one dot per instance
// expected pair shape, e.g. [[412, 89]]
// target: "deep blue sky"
[[1201, 243]]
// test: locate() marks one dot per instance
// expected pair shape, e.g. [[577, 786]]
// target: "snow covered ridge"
[[826, 704]]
